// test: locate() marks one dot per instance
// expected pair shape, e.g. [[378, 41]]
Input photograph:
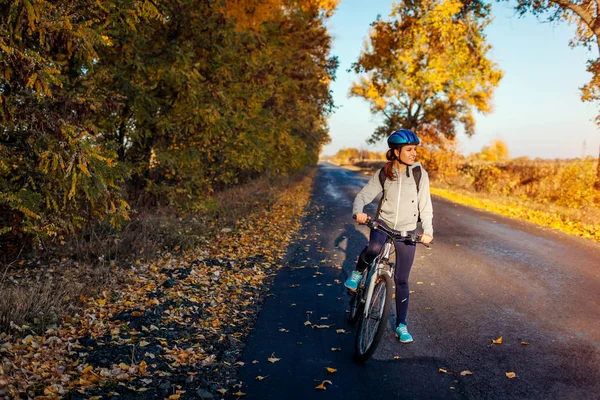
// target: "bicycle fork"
[[374, 272]]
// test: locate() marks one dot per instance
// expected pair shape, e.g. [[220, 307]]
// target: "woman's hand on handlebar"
[[361, 218], [426, 239]]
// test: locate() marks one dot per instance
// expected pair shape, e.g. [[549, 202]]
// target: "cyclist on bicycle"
[[400, 208]]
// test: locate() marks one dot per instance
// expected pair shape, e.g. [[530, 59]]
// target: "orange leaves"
[[511, 375], [497, 341], [321, 386]]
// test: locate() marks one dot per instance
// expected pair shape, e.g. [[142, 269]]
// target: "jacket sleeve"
[[425, 206], [367, 194]]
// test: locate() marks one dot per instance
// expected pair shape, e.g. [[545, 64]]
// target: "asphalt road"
[[486, 276]]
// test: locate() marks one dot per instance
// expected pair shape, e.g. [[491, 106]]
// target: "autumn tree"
[[54, 174], [426, 69], [496, 151]]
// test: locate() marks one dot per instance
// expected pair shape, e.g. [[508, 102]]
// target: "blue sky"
[[537, 107]]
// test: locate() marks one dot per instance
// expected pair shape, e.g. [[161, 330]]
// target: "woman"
[[401, 205]]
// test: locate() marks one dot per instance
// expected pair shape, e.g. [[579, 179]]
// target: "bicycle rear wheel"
[[370, 329]]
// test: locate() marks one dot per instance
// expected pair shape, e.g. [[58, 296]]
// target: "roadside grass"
[[37, 292], [584, 223]]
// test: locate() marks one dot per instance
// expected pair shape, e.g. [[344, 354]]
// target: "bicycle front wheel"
[[371, 328], [356, 307]]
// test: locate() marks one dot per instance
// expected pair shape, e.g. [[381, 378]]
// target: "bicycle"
[[371, 302]]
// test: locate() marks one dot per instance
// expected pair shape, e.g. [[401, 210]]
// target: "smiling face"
[[407, 154]]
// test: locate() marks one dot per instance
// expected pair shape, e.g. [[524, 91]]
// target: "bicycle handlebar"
[[398, 235]]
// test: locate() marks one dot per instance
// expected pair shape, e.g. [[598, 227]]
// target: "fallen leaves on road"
[[273, 359], [497, 341], [331, 370], [443, 371], [511, 375], [525, 343], [322, 385], [466, 372]]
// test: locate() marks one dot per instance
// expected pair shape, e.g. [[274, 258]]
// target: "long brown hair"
[[388, 168]]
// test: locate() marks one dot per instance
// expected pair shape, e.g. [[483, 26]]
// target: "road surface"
[[486, 277]]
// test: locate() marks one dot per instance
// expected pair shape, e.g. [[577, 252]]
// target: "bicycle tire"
[[363, 352]]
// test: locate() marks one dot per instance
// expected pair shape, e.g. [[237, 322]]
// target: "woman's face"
[[407, 154]]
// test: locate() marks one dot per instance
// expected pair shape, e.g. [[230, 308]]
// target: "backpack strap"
[[417, 175], [417, 172], [382, 182]]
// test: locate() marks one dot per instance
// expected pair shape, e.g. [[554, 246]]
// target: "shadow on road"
[[355, 243]]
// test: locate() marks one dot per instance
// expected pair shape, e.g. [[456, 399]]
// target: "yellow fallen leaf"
[[322, 326], [239, 393], [511, 375], [419, 283], [142, 367], [143, 343], [331, 370], [497, 341], [101, 301], [273, 359], [124, 366], [87, 369], [260, 378], [466, 372], [396, 357], [255, 362], [283, 330], [340, 331], [524, 343], [322, 385], [306, 323], [443, 371], [222, 391], [240, 363], [174, 396]]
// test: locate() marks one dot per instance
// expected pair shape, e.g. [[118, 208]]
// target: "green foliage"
[[53, 172], [111, 103]]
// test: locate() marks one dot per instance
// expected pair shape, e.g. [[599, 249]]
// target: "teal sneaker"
[[403, 334], [352, 281]]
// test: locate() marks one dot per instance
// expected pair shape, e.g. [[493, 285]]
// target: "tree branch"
[[580, 11]]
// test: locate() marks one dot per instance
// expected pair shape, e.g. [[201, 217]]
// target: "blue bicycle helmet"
[[402, 137]]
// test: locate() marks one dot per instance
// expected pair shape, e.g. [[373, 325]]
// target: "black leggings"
[[405, 255]]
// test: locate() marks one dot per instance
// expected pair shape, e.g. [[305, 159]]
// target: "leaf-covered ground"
[[174, 328]]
